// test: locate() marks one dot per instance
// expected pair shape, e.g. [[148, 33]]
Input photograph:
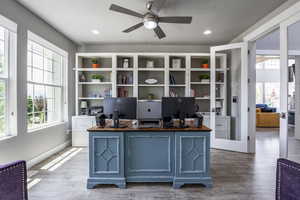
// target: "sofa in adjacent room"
[[266, 117]]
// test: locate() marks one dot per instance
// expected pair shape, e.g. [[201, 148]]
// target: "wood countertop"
[[96, 129]]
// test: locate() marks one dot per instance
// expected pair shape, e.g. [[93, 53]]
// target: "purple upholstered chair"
[[287, 180], [13, 181]]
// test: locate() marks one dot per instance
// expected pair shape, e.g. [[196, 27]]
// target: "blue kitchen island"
[[121, 155]]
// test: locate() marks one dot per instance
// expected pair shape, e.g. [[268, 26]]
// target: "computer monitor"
[[120, 108], [178, 108]]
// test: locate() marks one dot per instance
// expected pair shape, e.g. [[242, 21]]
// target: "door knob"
[[283, 115]]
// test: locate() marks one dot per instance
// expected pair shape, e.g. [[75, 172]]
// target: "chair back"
[[287, 180], [13, 181]]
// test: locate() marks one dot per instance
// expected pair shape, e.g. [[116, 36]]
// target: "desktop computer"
[[120, 108], [177, 108]]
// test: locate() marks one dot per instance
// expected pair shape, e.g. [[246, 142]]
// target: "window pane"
[[29, 120], [48, 64], [2, 31], [273, 63], [2, 109], [29, 73], [259, 93], [37, 75], [48, 77], [2, 89], [37, 61], [49, 92], [2, 58], [272, 92], [57, 73], [39, 98], [29, 58], [2, 126]]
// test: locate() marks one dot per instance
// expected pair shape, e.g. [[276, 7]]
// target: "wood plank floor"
[[236, 176]]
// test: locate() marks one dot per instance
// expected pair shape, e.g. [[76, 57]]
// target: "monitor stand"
[[182, 121], [116, 120]]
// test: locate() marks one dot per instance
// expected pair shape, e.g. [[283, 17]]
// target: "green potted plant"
[[95, 63], [204, 78], [205, 64], [97, 78]]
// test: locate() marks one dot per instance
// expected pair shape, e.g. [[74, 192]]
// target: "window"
[[272, 94], [272, 63], [259, 93], [7, 77], [45, 83]]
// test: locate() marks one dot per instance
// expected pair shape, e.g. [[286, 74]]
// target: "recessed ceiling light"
[[207, 32], [95, 32]]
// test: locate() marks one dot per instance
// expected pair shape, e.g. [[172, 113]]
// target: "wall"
[[143, 48], [30, 145]]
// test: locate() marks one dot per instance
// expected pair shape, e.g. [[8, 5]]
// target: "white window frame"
[[10, 78], [64, 76]]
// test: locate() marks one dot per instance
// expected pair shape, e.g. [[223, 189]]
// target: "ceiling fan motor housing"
[[150, 21]]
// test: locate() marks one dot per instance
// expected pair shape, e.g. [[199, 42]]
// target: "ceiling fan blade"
[[159, 32], [177, 20], [133, 27], [120, 9]]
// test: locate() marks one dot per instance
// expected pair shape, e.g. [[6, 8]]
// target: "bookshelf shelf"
[[176, 74]]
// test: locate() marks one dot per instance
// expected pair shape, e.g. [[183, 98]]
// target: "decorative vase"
[[150, 64], [205, 66], [95, 65], [176, 63], [82, 78], [125, 63]]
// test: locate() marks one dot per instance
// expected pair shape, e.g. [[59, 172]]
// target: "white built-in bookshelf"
[[124, 75]]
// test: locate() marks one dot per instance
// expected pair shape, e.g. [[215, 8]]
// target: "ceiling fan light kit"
[[150, 19]]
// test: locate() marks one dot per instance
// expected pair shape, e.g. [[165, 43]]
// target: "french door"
[[289, 50], [230, 125]]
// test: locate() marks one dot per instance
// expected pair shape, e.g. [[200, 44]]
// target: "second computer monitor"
[[176, 106], [125, 106]]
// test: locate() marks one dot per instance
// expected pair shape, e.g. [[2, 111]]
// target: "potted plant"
[[205, 64], [204, 78], [95, 63], [97, 78]]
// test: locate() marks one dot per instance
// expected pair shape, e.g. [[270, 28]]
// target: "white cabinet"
[[222, 126], [80, 124]]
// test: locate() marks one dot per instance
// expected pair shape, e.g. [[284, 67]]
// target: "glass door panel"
[[229, 109]]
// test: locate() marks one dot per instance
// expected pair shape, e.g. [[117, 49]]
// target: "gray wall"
[[143, 48], [29, 145]]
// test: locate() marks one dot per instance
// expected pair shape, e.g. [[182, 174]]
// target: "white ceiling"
[[226, 18]]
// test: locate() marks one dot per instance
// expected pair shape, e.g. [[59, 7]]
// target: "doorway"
[[288, 52]]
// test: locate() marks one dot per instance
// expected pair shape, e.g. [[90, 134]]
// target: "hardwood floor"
[[236, 176]]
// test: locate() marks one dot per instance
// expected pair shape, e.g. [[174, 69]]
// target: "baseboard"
[[47, 154]]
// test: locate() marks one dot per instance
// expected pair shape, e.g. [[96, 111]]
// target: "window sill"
[[46, 126], [7, 137]]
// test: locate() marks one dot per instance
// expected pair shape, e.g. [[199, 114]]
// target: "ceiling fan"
[[150, 19]]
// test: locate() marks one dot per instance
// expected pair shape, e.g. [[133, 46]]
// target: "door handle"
[[283, 115]]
